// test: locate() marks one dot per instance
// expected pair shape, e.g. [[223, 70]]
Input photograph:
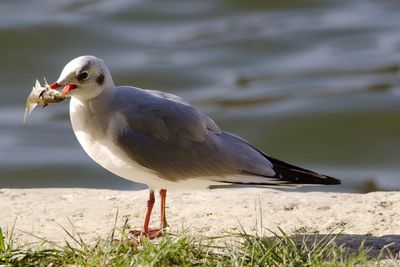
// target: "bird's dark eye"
[[82, 76]]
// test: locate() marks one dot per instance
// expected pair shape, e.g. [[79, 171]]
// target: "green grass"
[[238, 249]]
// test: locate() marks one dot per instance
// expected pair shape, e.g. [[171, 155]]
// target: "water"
[[315, 83]]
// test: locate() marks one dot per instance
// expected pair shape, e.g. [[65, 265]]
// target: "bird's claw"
[[134, 237], [152, 233]]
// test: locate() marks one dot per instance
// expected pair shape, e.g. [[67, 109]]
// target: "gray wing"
[[178, 142]]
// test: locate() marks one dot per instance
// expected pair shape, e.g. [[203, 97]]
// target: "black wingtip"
[[332, 181], [297, 175]]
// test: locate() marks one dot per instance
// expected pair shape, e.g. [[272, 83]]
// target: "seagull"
[[158, 139]]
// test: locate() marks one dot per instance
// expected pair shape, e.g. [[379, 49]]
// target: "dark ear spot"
[[100, 79]]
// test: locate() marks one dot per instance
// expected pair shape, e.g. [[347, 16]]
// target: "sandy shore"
[[41, 212]]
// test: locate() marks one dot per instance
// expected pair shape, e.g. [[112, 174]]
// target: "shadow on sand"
[[382, 247]]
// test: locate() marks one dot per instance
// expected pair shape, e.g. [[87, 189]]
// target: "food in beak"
[[42, 96]]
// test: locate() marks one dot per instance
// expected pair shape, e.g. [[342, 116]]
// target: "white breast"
[[101, 148]]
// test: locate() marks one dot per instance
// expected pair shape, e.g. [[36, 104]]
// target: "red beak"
[[54, 85], [66, 88]]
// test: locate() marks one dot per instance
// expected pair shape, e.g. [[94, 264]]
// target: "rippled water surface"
[[315, 83]]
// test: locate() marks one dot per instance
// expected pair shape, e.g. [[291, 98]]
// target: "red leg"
[[150, 232], [150, 204], [163, 195]]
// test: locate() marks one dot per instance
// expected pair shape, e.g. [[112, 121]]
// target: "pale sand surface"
[[91, 212]]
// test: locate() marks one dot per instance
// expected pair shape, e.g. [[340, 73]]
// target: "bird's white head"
[[84, 77]]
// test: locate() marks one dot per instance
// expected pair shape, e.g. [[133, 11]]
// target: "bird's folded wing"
[[178, 142]]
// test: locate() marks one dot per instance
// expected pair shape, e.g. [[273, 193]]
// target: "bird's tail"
[[296, 175]]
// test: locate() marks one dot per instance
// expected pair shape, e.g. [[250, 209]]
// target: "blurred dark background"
[[315, 83]]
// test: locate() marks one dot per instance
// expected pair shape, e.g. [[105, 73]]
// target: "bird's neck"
[[100, 102], [92, 116]]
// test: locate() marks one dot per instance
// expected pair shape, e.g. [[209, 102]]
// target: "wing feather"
[[177, 141]]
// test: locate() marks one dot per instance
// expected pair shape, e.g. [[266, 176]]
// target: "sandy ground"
[[374, 217]]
